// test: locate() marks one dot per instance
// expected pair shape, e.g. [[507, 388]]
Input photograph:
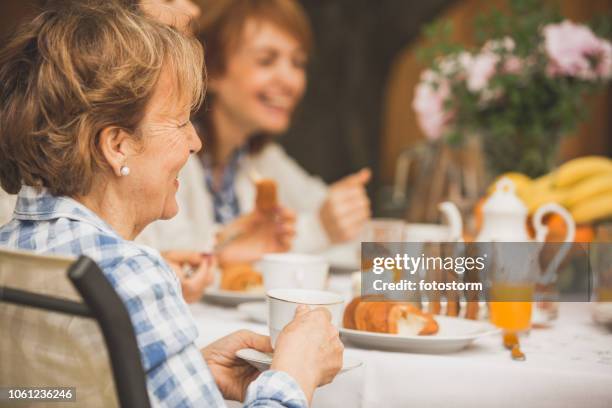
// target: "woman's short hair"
[[75, 69], [221, 28]]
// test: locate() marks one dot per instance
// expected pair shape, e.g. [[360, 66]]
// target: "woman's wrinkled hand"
[[347, 207], [232, 374], [309, 349]]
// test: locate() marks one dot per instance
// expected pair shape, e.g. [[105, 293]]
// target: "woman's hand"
[[257, 234], [347, 207], [309, 349], [193, 285], [232, 374]]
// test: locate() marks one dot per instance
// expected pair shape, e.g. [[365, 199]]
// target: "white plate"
[[230, 297], [262, 361], [256, 311], [455, 334]]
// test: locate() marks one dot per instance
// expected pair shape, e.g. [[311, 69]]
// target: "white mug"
[[294, 271], [283, 302]]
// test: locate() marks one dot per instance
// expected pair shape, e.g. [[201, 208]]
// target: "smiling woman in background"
[[257, 51], [259, 233], [94, 129]]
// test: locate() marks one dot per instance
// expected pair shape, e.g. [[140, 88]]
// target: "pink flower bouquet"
[[520, 91]]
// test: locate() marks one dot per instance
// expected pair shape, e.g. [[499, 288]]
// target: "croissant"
[[388, 317], [241, 277], [265, 199], [348, 320]]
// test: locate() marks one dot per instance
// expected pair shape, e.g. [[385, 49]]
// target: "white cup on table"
[[299, 271], [283, 302]]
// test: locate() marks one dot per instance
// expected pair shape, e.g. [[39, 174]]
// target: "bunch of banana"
[[573, 171], [582, 185]]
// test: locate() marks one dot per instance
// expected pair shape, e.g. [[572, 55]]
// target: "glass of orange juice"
[[507, 313], [512, 286]]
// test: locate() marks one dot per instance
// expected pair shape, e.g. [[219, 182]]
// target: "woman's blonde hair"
[[74, 70]]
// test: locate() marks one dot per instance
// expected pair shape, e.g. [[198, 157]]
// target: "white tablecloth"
[[568, 365]]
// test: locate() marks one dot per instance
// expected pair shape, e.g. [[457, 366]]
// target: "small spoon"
[[517, 354], [511, 342]]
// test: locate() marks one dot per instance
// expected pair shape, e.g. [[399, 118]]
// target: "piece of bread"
[[388, 317], [242, 278], [266, 199], [348, 320]]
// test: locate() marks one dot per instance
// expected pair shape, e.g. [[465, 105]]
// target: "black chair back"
[[100, 303]]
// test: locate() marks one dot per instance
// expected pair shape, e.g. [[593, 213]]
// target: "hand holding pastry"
[[347, 207], [192, 284], [309, 349], [255, 234]]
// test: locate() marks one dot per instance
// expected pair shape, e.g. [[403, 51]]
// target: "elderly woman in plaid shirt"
[[94, 129]]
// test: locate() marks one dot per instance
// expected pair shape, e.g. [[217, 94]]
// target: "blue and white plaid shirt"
[[177, 376]]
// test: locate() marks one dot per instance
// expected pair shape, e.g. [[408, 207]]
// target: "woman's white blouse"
[[194, 227]]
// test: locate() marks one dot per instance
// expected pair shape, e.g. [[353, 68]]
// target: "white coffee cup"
[[294, 271], [283, 302]]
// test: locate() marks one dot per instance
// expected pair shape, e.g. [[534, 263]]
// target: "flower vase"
[[532, 155]]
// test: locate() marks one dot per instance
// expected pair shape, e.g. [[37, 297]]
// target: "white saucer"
[[455, 334], [262, 361], [256, 311], [230, 297]]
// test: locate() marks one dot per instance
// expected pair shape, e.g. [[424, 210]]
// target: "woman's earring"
[[125, 171]]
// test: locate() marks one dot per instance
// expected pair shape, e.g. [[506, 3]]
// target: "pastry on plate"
[[241, 278], [388, 317], [348, 320]]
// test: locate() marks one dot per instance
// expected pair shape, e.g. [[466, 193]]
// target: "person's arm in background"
[[252, 235], [347, 207], [325, 214]]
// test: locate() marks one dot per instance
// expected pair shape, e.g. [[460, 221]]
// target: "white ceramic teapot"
[[505, 220], [505, 217]]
